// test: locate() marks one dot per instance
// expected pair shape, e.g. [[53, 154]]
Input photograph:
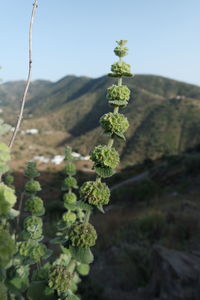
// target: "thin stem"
[[110, 142], [116, 110], [20, 117], [87, 217]]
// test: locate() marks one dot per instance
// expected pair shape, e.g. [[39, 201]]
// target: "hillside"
[[164, 115]]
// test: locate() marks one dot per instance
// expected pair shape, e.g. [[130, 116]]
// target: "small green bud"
[[68, 154], [70, 182], [114, 123], [33, 226], [104, 156], [9, 180], [69, 198], [95, 193], [69, 217], [70, 169], [120, 50], [31, 170], [32, 187], [82, 235], [121, 68], [80, 215], [35, 206], [59, 278], [7, 247], [7, 199]]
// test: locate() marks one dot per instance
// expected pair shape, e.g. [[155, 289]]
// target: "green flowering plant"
[[59, 277]]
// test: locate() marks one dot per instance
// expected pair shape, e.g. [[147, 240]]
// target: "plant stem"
[[110, 142], [87, 217], [20, 117]]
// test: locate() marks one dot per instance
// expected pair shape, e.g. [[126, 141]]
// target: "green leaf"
[[104, 172], [84, 206], [83, 269], [100, 208], [83, 255], [38, 290]]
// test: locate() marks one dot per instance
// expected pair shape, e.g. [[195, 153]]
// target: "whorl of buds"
[[82, 235], [35, 206], [69, 182], [31, 171], [114, 123], [120, 50], [116, 92], [32, 249], [120, 68], [70, 169], [68, 154], [69, 217], [33, 227], [7, 247], [69, 198], [95, 193], [32, 187], [104, 156], [60, 279]]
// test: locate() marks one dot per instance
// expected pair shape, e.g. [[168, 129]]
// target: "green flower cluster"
[[120, 69], [69, 198], [32, 187], [118, 95], [32, 249], [69, 217], [120, 50], [105, 159], [114, 123], [70, 169], [60, 279], [35, 206], [82, 235], [7, 247], [33, 227], [31, 171], [95, 193], [7, 199], [69, 182]]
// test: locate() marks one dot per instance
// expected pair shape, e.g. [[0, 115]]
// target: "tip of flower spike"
[[121, 42]]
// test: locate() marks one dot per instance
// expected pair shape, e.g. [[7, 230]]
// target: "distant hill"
[[164, 114]]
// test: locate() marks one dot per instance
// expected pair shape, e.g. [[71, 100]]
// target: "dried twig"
[[35, 5]]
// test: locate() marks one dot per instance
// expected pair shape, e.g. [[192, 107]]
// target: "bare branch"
[[20, 117]]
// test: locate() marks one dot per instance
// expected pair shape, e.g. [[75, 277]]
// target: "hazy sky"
[[78, 37]]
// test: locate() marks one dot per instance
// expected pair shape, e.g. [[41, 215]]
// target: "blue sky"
[[77, 37]]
